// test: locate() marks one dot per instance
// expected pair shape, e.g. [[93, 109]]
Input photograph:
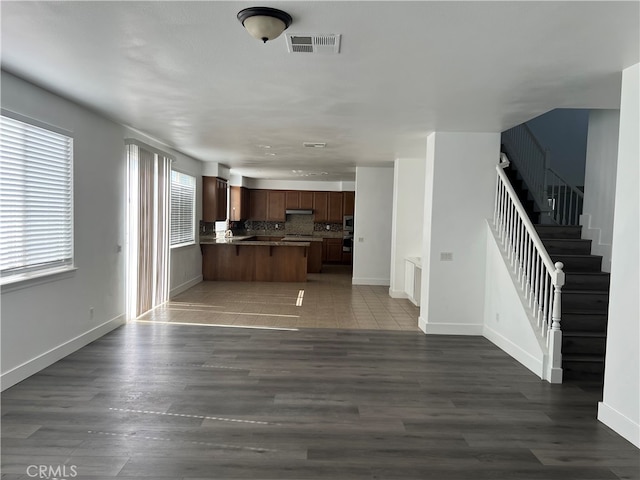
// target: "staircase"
[[585, 295]]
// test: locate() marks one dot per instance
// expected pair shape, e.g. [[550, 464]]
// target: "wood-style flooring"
[[174, 402], [167, 401]]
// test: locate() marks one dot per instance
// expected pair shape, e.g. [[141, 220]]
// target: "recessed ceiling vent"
[[308, 43], [314, 144]]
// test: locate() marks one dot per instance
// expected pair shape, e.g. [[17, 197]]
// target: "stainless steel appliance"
[[347, 242], [347, 223]]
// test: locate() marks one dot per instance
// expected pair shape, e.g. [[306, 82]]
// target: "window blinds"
[[36, 195], [183, 199]]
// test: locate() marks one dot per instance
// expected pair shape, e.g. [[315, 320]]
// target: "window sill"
[[11, 284], [180, 245]]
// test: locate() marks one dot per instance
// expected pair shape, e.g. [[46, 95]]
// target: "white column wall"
[[372, 226], [408, 213], [460, 189], [600, 182], [620, 408]]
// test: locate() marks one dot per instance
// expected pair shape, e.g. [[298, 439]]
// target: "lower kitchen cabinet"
[[332, 250]]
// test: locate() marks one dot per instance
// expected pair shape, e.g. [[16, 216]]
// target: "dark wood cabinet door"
[[258, 204], [348, 202], [306, 200], [275, 208], [214, 199], [292, 199], [332, 250], [238, 204], [335, 207], [320, 206]]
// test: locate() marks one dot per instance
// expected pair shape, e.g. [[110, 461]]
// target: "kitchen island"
[[246, 260]]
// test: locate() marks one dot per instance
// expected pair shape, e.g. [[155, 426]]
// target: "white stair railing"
[[537, 276], [552, 194], [565, 201]]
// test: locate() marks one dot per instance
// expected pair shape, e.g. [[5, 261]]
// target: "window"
[[36, 196], [183, 209]]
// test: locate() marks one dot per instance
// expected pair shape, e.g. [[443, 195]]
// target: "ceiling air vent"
[[306, 43], [314, 144]]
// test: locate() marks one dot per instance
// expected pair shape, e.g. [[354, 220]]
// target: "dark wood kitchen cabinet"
[[320, 206], [332, 250], [258, 205], [348, 203], [335, 207], [306, 200], [275, 206], [292, 199], [238, 203], [214, 199]]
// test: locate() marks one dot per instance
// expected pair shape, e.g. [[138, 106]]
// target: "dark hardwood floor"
[[170, 402]]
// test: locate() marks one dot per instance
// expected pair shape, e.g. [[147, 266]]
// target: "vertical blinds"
[[36, 195], [183, 197]]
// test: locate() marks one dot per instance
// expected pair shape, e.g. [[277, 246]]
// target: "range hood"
[[298, 211]]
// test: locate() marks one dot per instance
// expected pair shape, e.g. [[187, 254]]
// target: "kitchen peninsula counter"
[[243, 259]]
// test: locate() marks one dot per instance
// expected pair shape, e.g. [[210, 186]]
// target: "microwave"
[[347, 223]]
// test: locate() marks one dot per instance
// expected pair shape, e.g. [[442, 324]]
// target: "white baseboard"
[[397, 293], [384, 282], [620, 423], [449, 328], [185, 286], [533, 363], [45, 359]]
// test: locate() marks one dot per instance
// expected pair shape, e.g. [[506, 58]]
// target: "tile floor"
[[326, 300]]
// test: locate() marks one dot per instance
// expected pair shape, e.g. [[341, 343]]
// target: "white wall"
[[506, 321], [269, 184], [372, 226], [408, 209], [460, 188], [45, 322], [600, 182], [620, 408]]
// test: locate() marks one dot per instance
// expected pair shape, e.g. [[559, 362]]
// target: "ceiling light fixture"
[[264, 23]]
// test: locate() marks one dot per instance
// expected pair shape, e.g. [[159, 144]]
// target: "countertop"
[[246, 240], [301, 238]]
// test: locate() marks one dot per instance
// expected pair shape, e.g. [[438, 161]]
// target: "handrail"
[[561, 178], [538, 277], [534, 138], [523, 214], [564, 199]]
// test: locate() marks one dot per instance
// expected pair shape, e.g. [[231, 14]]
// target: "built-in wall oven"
[[347, 223], [347, 242]]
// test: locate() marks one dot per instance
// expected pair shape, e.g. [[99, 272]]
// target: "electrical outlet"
[[90, 313], [497, 317]]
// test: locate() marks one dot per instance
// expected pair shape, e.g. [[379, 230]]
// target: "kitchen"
[[273, 235]]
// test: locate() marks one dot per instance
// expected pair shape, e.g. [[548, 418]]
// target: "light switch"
[[446, 256], [360, 239]]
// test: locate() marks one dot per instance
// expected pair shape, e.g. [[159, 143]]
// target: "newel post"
[[554, 338]]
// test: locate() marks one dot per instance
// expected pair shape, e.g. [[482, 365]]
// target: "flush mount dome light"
[[264, 23]]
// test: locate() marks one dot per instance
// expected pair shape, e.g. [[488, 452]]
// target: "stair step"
[[575, 246], [583, 322], [558, 231], [584, 343], [579, 263], [587, 281], [585, 301], [583, 367]]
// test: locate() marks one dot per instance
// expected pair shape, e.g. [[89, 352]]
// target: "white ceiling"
[[190, 75]]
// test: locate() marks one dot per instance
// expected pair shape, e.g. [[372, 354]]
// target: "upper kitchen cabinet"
[[214, 199], [257, 204], [275, 205], [292, 199], [348, 202], [306, 200], [239, 204], [335, 207], [320, 206]]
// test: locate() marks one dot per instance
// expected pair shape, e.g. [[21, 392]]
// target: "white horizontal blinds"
[[183, 200], [36, 196]]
